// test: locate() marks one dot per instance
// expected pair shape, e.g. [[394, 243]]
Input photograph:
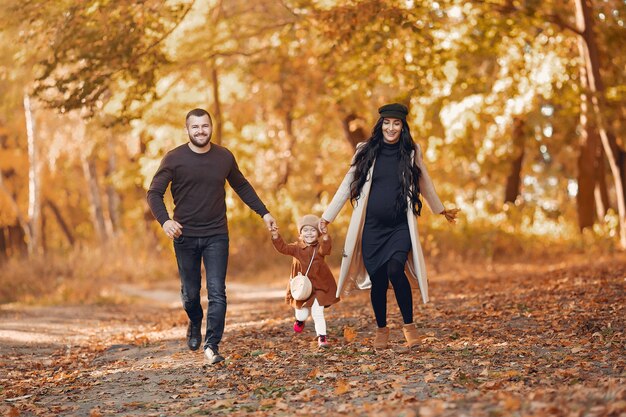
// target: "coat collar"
[[303, 245]]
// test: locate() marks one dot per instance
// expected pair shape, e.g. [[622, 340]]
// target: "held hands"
[[323, 225], [450, 215], [172, 229], [271, 225]]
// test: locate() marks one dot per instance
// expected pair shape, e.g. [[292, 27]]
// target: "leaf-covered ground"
[[503, 341]]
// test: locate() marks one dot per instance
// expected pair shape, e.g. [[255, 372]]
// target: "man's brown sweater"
[[198, 181]]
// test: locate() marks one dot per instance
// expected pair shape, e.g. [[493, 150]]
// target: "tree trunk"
[[217, 105], [284, 168], [4, 247], [620, 155], [95, 202], [590, 53], [215, 16], [514, 180], [585, 198], [354, 133], [21, 222], [34, 204], [44, 235], [601, 192], [17, 240], [113, 197], [62, 224], [586, 163], [90, 173]]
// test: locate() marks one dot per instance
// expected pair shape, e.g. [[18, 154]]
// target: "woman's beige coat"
[[352, 266]]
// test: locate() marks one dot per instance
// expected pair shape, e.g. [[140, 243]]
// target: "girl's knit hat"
[[308, 220]]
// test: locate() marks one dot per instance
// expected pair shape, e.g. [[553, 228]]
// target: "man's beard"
[[199, 143]]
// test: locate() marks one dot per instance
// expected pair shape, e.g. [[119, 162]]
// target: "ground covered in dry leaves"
[[509, 340]]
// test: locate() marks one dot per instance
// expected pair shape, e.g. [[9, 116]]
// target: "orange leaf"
[[268, 355], [512, 404], [349, 334], [368, 369], [268, 402], [342, 387], [281, 405]]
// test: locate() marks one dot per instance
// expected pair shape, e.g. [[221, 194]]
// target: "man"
[[198, 171]]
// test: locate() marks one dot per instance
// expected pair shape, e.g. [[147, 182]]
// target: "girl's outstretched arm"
[[325, 245], [282, 247]]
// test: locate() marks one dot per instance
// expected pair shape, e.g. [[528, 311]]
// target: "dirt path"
[[546, 340]]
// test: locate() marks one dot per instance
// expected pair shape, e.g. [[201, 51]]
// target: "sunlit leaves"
[[91, 51]]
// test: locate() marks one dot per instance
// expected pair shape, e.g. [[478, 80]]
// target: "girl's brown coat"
[[322, 280]]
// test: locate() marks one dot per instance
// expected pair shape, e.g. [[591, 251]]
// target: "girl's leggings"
[[317, 312]]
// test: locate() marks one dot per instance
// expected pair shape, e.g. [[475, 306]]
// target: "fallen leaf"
[[281, 405], [512, 403], [368, 369], [341, 387], [223, 403], [349, 334], [307, 394], [268, 355]]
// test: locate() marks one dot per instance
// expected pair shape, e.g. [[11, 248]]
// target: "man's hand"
[[270, 223], [172, 229], [323, 226]]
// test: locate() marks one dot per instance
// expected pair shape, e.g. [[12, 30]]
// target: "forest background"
[[518, 105]]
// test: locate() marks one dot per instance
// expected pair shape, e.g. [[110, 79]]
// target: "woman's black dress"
[[385, 233]]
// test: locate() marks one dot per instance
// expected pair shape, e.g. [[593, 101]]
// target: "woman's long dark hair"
[[408, 172]]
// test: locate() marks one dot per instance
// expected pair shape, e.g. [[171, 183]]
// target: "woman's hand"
[[323, 225], [450, 215]]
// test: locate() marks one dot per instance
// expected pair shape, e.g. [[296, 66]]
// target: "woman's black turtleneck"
[[385, 233]]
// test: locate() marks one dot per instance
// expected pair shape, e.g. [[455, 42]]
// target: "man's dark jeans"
[[190, 252]]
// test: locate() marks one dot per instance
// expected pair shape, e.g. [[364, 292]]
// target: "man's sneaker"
[[213, 355], [321, 342], [298, 326], [194, 335]]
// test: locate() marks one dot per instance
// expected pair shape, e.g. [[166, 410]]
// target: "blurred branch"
[[219, 54], [510, 8], [558, 20], [260, 30], [289, 9], [165, 35], [64, 227]]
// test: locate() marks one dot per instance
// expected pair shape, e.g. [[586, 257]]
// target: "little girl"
[[324, 287]]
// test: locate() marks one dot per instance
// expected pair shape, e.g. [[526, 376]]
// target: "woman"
[[385, 180]]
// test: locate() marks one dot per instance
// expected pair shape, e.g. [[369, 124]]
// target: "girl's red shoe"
[[298, 326]]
